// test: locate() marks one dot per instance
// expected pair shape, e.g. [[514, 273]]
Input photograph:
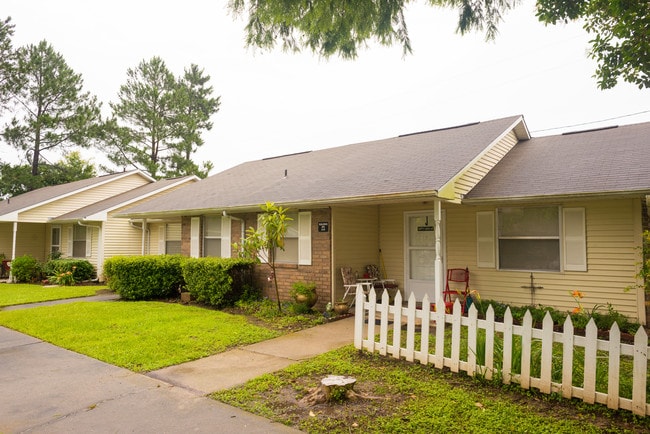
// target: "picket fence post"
[[567, 358], [526, 349], [614, 367], [639, 372], [507, 346], [397, 325]]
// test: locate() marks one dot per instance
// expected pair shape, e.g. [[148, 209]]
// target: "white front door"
[[420, 254]]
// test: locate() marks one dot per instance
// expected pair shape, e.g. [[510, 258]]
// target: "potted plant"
[[304, 293], [341, 307]]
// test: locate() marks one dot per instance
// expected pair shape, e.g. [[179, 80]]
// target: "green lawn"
[[140, 336], [406, 397], [15, 293]]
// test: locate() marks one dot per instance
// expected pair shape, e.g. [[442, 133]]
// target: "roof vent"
[[287, 155], [590, 131], [440, 129]]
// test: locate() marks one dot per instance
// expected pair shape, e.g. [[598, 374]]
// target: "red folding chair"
[[459, 288]]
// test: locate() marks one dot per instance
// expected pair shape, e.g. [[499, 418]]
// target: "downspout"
[[144, 229]]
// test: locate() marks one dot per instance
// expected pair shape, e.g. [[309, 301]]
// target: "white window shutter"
[[304, 238], [225, 236], [162, 239], [70, 240], [485, 239], [89, 242], [195, 228], [574, 239]]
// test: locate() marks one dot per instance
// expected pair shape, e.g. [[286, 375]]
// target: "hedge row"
[[215, 281], [26, 268]]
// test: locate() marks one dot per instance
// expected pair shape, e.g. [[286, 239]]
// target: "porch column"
[[13, 249], [439, 272], [144, 237]]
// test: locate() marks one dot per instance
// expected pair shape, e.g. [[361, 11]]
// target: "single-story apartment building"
[[532, 219], [77, 219]]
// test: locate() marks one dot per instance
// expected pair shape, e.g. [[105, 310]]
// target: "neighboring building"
[[76, 219], [566, 211]]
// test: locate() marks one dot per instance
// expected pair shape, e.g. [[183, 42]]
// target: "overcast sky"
[[275, 103]]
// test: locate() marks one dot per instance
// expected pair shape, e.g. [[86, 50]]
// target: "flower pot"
[[308, 300], [341, 308]]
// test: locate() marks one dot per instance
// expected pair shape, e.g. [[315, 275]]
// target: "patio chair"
[[381, 284], [459, 288], [349, 283]]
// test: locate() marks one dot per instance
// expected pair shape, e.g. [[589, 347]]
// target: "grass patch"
[[409, 397], [140, 336], [17, 293], [292, 317]]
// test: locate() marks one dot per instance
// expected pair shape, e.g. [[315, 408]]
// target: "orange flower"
[[577, 294], [576, 310]]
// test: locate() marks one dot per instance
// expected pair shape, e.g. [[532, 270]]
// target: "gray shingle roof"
[[615, 160], [45, 194], [410, 164]]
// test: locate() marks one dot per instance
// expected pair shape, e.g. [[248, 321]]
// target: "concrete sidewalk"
[[228, 369], [45, 388]]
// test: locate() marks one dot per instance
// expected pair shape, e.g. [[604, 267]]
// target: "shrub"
[[26, 269], [144, 277], [217, 281], [80, 269]]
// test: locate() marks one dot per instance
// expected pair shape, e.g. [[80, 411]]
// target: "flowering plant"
[[577, 296], [65, 278]]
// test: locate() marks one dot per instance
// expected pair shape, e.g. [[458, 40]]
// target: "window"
[[297, 240], [529, 238], [532, 239], [55, 239], [212, 236], [80, 240], [173, 239]]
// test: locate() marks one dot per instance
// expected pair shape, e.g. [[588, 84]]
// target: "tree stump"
[[331, 388]]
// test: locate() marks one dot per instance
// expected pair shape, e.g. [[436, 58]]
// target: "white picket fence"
[[373, 335]]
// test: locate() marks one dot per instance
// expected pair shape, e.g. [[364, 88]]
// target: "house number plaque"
[[323, 226]]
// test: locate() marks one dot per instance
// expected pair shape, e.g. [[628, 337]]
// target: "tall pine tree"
[[158, 119], [50, 110]]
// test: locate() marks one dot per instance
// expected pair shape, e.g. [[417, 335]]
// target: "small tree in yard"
[[261, 244]]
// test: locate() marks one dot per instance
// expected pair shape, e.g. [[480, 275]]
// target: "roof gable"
[[99, 210], [595, 162], [11, 208]]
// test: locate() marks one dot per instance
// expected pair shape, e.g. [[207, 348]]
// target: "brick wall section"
[[318, 271], [186, 229]]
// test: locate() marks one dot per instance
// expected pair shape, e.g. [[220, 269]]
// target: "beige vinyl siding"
[[480, 168], [354, 241], [81, 199], [6, 238], [120, 238], [30, 239], [612, 228]]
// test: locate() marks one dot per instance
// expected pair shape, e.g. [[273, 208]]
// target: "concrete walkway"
[[234, 367], [44, 388]]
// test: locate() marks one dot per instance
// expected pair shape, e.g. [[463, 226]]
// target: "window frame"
[[541, 239], [573, 239], [60, 237]]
